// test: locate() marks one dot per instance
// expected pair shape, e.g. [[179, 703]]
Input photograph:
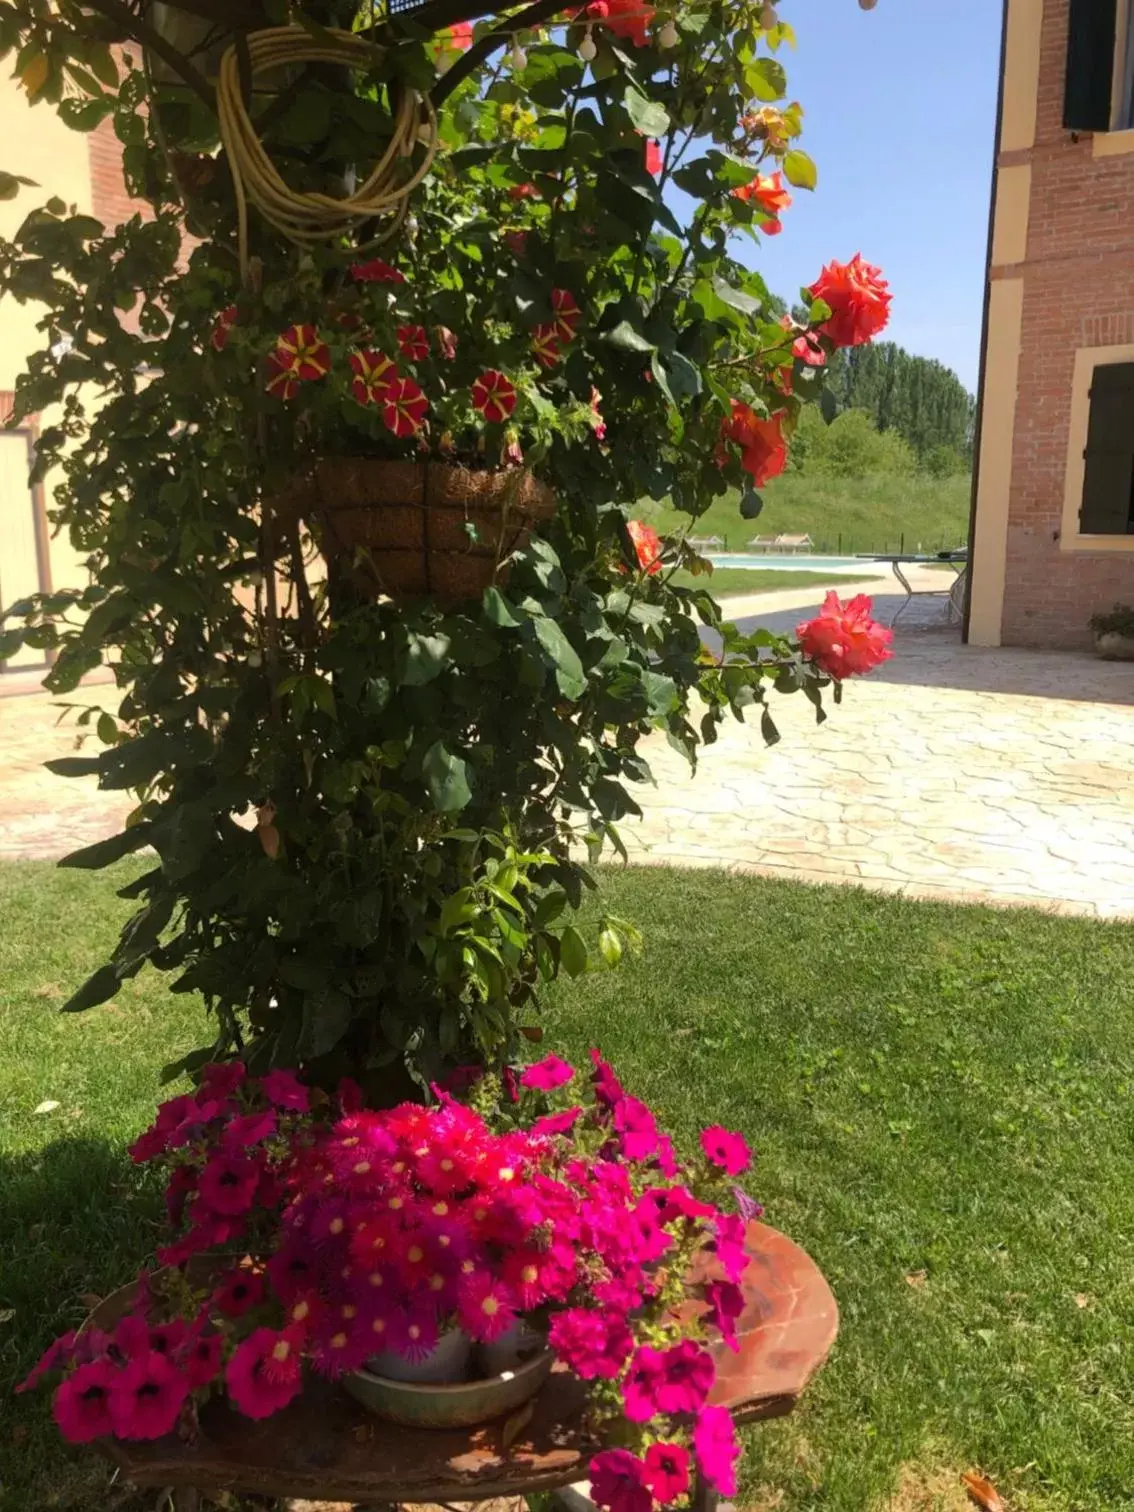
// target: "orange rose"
[[859, 299]]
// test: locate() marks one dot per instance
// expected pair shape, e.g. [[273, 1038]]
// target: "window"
[[1099, 94], [1108, 478]]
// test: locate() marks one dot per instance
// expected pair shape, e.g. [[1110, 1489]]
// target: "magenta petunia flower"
[[637, 1127], [485, 1307], [730, 1231], [349, 1095], [716, 1448], [81, 1404], [200, 1360], [228, 1183], [618, 1482], [146, 1397], [283, 1089], [239, 1292], [726, 1150], [608, 1089], [221, 1078], [726, 1304], [250, 1129], [292, 1270], [264, 1373], [674, 1381], [595, 1345], [54, 1357], [556, 1123], [667, 1472], [168, 1338], [547, 1074]]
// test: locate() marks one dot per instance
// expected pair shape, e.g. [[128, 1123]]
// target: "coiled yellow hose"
[[309, 218]]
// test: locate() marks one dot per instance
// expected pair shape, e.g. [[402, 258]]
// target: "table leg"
[[901, 577], [704, 1498], [186, 1499]]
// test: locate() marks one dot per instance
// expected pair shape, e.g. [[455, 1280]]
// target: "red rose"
[[629, 19], [767, 191], [647, 545], [653, 157], [494, 396], [413, 342], [523, 192], [842, 639], [763, 450], [517, 242], [859, 300]]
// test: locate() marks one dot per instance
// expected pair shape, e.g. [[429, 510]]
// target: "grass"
[[844, 515], [733, 582], [940, 1097]]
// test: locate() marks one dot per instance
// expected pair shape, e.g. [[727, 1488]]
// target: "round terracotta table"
[[326, 1447]]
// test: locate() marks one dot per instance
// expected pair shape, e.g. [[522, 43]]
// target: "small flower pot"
[[447, 1361], [1114, 646], [419, 529], [511, 1350], [464, 1405]]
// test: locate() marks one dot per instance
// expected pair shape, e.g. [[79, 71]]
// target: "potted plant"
[[1114, 633], [367, 804], [344, 1239]]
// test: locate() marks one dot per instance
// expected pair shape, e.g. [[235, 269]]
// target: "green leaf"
[[661, 693], [736, 299], [446, 777], [573, 952], [751, 504], [610, 946], [99, 988], [569, 674], [627, 339], [800, 170], [425, 659], [460, 908], [100, 60], [106, 852], [326, 1018], [74, 766], [498, 611], [646, 115], [766, 79], [187, 1064], [10, 182]]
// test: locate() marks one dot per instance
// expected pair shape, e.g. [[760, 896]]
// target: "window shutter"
[[1108, 481], [1090, 65]]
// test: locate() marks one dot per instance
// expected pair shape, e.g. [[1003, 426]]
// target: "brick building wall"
[[1078, 292]]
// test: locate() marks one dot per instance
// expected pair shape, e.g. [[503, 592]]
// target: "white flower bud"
[[587, 48], [768, 17], [668, 37], [519, 57]]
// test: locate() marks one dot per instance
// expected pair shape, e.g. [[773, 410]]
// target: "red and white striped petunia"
[[494, 396], [545, 345], [404, 407], [221, 327], [373, 375], [567, 313], [303, 349], [413, 342], [376, 271], [282, 380]]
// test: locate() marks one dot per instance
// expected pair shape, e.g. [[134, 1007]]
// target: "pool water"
[[786, 562]]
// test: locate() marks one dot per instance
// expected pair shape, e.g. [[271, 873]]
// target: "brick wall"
[[1078, 292], [109, 199]]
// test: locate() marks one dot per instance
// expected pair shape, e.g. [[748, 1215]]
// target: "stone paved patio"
[[954, 772]]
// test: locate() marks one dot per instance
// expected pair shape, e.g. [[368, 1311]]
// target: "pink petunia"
[[221, 1078], [146, 1397], [726, 1150], [730, 1245], [618, 1482], [81, 1404], [676, 1380], [250, 1129], [239, 1292], [608, 1089], [667, 1472], [263, 1374], [595, 1345], [228, 1183], [547, 1074], [726, 1305], [283, 1089], [638, 1129], [292, 1270], [716, 1449], [200, 1361], [557, 1123]]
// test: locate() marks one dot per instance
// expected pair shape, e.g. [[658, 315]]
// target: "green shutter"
[[1108, 480], [1090, 65]]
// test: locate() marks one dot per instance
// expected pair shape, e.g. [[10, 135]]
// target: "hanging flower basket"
[[423, 529]]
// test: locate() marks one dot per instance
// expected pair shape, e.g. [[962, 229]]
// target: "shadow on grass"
[[77, 1220]]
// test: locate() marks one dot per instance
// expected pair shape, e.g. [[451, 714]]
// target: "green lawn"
[[733, 582], [941, 1099], [844, 515]]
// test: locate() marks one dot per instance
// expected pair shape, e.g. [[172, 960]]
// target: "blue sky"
[[900, 110]]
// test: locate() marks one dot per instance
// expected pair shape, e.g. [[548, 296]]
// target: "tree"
[[918, 397]]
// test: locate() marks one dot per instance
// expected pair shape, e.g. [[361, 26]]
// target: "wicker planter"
[[422, 529]]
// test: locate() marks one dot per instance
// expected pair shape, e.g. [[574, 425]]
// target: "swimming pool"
[[785, 562]]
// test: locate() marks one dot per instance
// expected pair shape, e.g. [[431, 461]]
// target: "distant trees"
[[919, 398]]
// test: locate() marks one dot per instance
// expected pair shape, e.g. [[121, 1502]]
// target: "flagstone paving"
[[953, 772]]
